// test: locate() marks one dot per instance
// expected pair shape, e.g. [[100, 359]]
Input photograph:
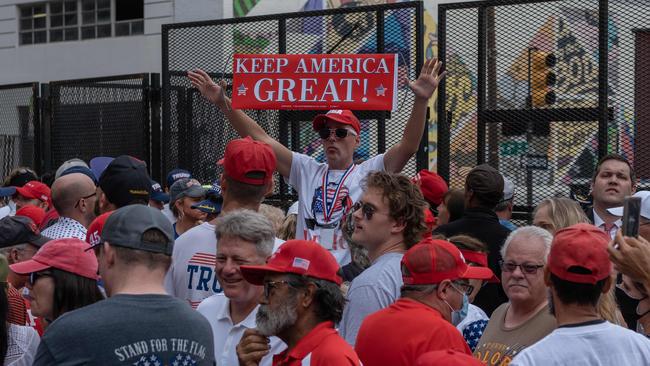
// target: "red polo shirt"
[[322, 346], [400, 333]]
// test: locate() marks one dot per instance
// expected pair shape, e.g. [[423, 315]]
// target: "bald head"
[[68, 190]]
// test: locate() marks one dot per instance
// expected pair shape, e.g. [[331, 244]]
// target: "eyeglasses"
[[340, 133], [463, 288], [366, 209], [271, 285], [34, 276], [84, 198], [526, 268]]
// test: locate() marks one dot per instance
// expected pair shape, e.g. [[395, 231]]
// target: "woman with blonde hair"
[[557, 213]]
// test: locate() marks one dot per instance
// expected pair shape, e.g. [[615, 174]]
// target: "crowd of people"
[[101, 265]]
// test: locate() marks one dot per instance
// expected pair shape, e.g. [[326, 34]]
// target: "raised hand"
[[208, 88], [631, 257], [429, 78]]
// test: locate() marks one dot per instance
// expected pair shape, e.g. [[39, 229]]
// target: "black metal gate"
[[195, 132], [541, 90], [106, 116], [19, 118]]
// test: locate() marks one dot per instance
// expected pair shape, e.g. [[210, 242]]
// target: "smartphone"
[[631, 216]]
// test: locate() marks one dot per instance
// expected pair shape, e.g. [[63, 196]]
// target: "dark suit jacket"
[[482, 224]]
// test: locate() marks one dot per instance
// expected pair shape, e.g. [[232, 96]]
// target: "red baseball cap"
[[430, 222], [432, 185], [479, 258], [37, 214], [580, 246], [447, 357], [67, 254], [249, 161], [344, 116], [433, 261], [303, 257], [94, 234], [36, 190]]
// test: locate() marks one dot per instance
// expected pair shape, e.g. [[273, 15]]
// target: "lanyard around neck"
[[328, 207]]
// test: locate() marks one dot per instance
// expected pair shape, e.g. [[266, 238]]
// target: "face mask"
[[457, 316]]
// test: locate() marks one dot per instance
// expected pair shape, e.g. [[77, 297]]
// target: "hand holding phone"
[[631, 216]]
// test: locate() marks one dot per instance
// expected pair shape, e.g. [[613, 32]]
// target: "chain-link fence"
[[541, 90], [195, 132], [18, 121], [107, 116]]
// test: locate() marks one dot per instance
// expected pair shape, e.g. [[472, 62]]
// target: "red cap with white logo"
[[337, 115], [36, 190], [303, 257]]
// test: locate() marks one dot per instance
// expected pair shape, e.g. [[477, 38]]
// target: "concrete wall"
[[88, 58]]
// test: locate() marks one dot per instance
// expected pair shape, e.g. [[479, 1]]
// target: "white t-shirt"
[[191, 276], [601, 344], [22, 344], [307, 177], [227, 335], [374, 289]]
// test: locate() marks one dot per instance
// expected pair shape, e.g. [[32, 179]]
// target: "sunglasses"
[[366, 209], [340, 133], [34, 276], [525, 268]]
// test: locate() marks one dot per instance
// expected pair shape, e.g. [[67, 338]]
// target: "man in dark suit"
[[613, 179]]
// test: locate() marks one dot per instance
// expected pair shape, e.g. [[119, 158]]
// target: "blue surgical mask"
[[457, 316]]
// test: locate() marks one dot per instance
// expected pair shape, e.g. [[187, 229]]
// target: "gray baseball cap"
[[186, 187], [125, 226]]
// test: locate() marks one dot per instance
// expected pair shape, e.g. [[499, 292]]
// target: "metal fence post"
[[155, 126]]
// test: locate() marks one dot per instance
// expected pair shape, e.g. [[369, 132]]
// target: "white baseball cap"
[[508, 189], [645, 205]]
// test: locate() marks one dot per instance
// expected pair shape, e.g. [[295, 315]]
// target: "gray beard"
[[270, 324]]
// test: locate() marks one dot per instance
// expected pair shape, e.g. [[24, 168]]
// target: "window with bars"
[[72, 20]]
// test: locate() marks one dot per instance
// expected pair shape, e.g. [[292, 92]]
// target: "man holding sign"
[[327, 191]]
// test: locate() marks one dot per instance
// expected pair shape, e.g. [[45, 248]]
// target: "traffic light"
[[543, 78]]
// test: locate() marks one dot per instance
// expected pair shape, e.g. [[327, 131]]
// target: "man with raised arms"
[[327, 191]]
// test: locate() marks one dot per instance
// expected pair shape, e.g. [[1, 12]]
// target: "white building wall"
[[87, 58]]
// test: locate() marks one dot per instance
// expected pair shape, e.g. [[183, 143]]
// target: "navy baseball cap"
[[177, 174], [125, 180], [213, 201], [98, 165], [7, 191], [157, 193]]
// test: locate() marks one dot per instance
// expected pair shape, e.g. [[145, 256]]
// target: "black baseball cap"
[[16, 230], [486, 183], [125, 227], [22, 178], [125, 180]]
